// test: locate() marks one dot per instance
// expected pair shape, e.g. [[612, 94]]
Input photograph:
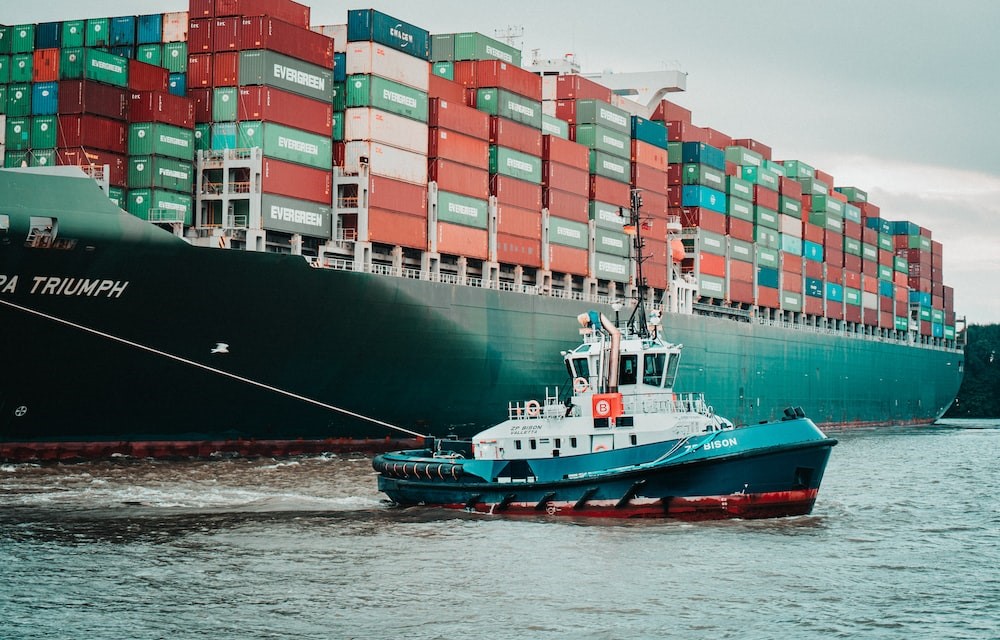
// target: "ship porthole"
[[20, 411]]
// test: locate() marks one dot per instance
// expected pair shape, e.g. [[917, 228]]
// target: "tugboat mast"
[[637, 322]]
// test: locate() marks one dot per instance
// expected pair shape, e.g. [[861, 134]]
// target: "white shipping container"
[[336, 32], [3, 131], [386, 161], [789, 225], [386, 62], [175, 27], [869, 300], [549, 87], [549, 108], [375, 125]]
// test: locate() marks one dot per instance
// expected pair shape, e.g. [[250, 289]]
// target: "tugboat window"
[[517, 444], [581, 368], [534, 445], [652, 368], [572, 443], [675, 359], [628, 369]]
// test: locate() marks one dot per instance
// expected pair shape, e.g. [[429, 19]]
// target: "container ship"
[[230, 231]]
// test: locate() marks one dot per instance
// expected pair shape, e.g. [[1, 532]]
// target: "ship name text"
[[290, 214], [720, 444], [59, 286], [299, 77]]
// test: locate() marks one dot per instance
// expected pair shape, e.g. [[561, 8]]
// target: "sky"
[[900, 98]]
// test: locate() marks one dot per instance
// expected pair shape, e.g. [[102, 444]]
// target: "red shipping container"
[[902, 307], [790, 188], [282, 107], [563, 259], [675, 174], [654, 204], [834, 258], [199, 70], [740, 229], [711, 264], [265, 32], [446, 89], [458, 147], [394, 228], [852, 230], [886, 320], [519, 222], [515, 192], [753, 145], [852, 279], [516, 250], [201, 99], [610, 191], [497, 73], [667, 111], [869, 210], [200, 35], [812, 233], [296, 181], [160, 106], [77, 157], [765, 197], [852, 262], [91, 132], [739, 270], [705, 218], [675, 196], [460, 240], [740, 291], [225, 34], [813, 306], [285, 10], [567, 152], [900, 279], [791, 262], [825, 178], [225, 69], [685, 132], [869, 235], [885, 257], [399, 196], [462, 179], [649, 155], [457, 117], [201, 9], [836, 195], [87, 96], [869, 267], [147, 77], [718, 139], [813, 269], [45, 65], [655, 273], [732, 169], [869, 317], [791, 281], [516, 136], [576, 87], [767, 297], [565, 178], [339, 151], [567, 204], [649, 178]]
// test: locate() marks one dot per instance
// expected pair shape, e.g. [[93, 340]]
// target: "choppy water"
[[904, 543]]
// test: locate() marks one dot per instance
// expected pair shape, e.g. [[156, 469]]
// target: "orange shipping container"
[[869, 284], [519, 193], [459, 147], [767, 297], [649, 178], [444, 88], [791, 262], [568, 205], [852, 279], [460, 240], [563, 151], [517, 250], [225, 72], [791, 281], [459, 178], [812, 306], [45, 66], [296, 181], [655, 274], [519, 222], [395, 195], [571, 260], [649, 155], [739, 270], [394, 228], [457, 117], [611, 191], [712, 265]]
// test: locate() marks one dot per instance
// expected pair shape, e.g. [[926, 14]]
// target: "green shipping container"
[[852, 213], [704, 175], [766, 237], [22, 38], [607, 215], [338, 126], [569, 233], [175, 57], [444, 70], [555, 127], [869, 252], [18, 132], [160, 172], [150, 54], [515, 164], [157, 205], [900, 264], [263, 67], [18, 100], [98, 32], [3, 99], [93, 64], [852, 296], [812, 186], [740, 209], [790, 206], [224, 104], [443, 48], [609, 166], [885, 242], [43, 132], [827, 204], [711, 286], [295, 216], [741, 250], [15, 159], [157, 139], [675, 152], [608, 267], [21, 65], [458, 209], [743, 156], [614, 243], [600, 138], [912, 242], [4, 39], [117, 195], [380, 93], [285, 143], [797, 169], [854, 194], [852, 246], [43, 158], [4, 69], [902, 324], [711, 242], [760, 175], [737, 187], [339, 97], [791, 301], [476, 46], [203, 136], [602, 113], [885, 272], [500, 102], [767, 257], [765, 217], [73, 34]]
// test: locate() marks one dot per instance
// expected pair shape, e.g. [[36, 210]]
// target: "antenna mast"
[[637, 322]]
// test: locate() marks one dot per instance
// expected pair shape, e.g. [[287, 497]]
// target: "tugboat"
[[623, 443]]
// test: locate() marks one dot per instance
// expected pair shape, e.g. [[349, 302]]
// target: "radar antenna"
[[510, 35], [637, 322]]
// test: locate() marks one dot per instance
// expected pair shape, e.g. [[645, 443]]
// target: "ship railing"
[[551, 407], [239, 187], [165, 216], [904, 339], [347, 202], [667, 403], [211, 188], [236, 221]]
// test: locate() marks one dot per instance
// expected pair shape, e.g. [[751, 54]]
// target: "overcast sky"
[[900, 98]]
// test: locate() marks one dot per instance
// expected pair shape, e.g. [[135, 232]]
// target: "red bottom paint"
[[738, 505]]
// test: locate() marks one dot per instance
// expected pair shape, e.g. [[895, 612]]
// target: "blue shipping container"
[[834, 292], [48, 35], [122, 31], [224, 135], [767, 277], [369, 25], [920, 297], [814, 287], [177, 84], [701, 153], [706, 197], [45, 98], [812, 251], [650, 131], [790, 244], [885, 288], [880, 225], [937, 330], [905, 228], [340, 67], [149, 29]]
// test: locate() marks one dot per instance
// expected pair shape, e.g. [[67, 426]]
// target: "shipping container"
[[160, 172], [518, 250], [92, 132], [294, 215], [461, 240], [565, 259], [369, 58], [159, 205], [611, 191], [262, 67], [150, 54], [460, 209], [525, 223], [93, 64], [607, 215], [225, 34], [200, 70], [200, 33], [515, 164], [21, 38], [552, 125], [286, 143], [296, 181], [372, 25], [296, 41], [565, 178], [555, 149], [516, 192], [388, 128], [122, 31], [571, 233], [459, 147], [514, 135], [18, 134], [175, 57], [160, 139], [476, 46], [21, 65], [274, 105], [459, 178], [44, 98], [394, 228], [175, 27], [458, 117], [147, 77], [597, 112], [161, 106], [506, 104], [94, 158], [500, 74], [384, 94], [87, 96], [149, 29], [577, 87], [397, 195], [387, 161]]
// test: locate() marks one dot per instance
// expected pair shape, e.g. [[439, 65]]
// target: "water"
[[904, 542]]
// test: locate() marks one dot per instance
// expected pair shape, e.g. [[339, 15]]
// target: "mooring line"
[[212, 369]]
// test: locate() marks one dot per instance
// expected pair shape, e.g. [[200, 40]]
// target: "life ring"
[[580, 385], [532, 408], [600, 447]]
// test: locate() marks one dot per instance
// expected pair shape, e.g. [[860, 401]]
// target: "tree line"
[[979, 395]]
